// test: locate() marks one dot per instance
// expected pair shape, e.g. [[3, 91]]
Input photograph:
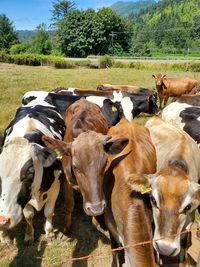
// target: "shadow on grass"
[[84, 237], [85, 233], [29, 256]]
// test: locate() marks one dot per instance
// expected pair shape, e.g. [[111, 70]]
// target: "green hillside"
[[125, 8], [171, 26]]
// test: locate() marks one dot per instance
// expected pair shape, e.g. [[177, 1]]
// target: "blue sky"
[[27, 14]]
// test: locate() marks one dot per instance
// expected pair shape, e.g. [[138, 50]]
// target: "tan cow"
[[167, 87], [175, 188], [128, 214]]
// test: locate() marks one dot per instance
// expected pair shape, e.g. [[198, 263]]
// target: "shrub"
[[63, 64], [20, 48], [119, 64], [105, 61]]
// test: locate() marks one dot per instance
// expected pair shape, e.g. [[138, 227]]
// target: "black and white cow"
[[185, 117], [111, 110], [29, 172], [114, 104]]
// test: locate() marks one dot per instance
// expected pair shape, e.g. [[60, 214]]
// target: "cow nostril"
[[4, 221], [95, 209]]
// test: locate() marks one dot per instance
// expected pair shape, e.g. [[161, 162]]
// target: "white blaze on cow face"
[[21, 170], [127, 106], [117, 96], [173, 210]]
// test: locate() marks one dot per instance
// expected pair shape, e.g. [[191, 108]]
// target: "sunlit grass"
[[15, 80]]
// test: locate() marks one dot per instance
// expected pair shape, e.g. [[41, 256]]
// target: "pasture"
[[84, 240]]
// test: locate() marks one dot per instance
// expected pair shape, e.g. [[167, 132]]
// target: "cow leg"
[[69, 206], [49, 209], [118, 256], [160, 102], [28, 212], [165, 100]]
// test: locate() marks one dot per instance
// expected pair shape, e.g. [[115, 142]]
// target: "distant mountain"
[[25, 35], [125, 8]]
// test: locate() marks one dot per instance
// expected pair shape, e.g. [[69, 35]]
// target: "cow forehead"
[[88, 143], [13, 157], [170, 188]]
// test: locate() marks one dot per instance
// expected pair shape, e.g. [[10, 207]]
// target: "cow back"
[[84, 116], [129, 208]]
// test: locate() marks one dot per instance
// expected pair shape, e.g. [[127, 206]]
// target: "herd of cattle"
[[138, 182]]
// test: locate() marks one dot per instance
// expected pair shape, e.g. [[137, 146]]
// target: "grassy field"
[[15, 80]]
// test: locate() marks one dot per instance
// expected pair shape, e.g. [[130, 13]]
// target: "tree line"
[[165, 27]]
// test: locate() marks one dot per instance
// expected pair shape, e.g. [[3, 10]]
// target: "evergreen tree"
[[41, 43], [61, 9], [8, 35]]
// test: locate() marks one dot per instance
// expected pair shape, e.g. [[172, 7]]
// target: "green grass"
[[15, 80]]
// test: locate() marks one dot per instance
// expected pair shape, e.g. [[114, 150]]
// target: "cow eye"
[[187, 208], [153, 201]]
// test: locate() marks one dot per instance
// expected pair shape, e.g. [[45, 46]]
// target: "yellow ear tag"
[[144, 189], [114, 108], [59, 155]]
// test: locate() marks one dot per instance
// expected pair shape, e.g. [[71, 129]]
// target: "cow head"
[[174, 200], [145, 103], [85, 169], [21, 170], [159, 77]]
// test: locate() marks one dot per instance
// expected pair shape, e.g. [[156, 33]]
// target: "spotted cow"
[[29, 172], [184, 116], [131, 104]]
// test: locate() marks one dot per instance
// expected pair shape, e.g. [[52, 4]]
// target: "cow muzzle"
[[95, 209], [4, 222], [166, 248]]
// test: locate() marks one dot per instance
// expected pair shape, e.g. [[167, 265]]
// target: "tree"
[[82, 33], [8, 35], [61, 9], [41, 43]]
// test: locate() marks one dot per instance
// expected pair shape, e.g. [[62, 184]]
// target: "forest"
[[166, 27]]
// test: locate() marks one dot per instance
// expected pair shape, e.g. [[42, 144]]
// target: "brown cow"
[[128, 212], [175, 188], [84, 156], [167, 87]]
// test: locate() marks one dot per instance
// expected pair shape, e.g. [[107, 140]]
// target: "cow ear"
[[139, 183], [116, 146], [58, 146], [46, 155], [153, 76]]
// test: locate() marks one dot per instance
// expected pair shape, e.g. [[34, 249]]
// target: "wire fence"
[[103, 256]]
